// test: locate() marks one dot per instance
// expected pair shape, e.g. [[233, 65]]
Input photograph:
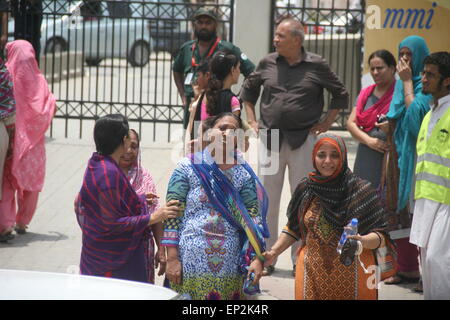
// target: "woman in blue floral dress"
[[208, 252]]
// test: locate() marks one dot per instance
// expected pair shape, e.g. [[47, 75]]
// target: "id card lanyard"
[[194, 45], [194, 64]]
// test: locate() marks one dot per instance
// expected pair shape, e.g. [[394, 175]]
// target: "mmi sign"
[[404, 18]]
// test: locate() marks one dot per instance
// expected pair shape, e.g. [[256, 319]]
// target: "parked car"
[[351, 22], [100, 30], [169, 23], [34, 285]]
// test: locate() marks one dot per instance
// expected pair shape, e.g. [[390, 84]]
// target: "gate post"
[[251, 31]]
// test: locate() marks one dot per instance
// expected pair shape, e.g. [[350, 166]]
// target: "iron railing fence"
[[103, 57], [333, 30]]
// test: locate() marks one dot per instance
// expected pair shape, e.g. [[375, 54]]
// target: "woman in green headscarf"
[[406, 112]]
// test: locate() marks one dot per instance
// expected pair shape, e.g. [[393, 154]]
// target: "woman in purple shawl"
[[114, 220]]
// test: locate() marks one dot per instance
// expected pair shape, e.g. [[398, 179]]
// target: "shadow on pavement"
[[282, 273], [25, 239]]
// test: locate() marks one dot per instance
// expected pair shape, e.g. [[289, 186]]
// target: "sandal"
[[20, 230], [399, 278], [5, 237], [419, 287], [268, 271]]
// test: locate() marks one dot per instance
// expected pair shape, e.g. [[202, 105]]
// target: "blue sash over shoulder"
[[226, 199]]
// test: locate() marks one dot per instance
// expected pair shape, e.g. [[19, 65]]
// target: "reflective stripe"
[[434, 158], [434, 179]]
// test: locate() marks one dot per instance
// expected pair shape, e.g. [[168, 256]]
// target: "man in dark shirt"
[[3, 24], [291, 105], [192, 53], [27, 22]]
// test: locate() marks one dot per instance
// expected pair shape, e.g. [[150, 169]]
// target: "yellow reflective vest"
[[433, 161]]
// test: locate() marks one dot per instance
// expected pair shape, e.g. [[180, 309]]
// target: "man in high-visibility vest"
[[430, 228]]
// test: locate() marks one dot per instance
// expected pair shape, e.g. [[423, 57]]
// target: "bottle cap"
[[354, 222]]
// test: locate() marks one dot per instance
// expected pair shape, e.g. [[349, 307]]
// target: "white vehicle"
[[34, 285], [346, 23], [98, 29], [169, 23]]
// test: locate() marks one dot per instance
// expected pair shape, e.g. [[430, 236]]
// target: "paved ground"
[[54, 239]]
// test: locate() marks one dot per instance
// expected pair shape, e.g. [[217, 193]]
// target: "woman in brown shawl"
[[323, 203]]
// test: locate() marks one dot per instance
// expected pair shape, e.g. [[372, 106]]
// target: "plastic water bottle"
[[350, 230]]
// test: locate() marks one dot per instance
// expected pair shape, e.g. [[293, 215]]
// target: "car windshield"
[[119, 9], [92, 9]]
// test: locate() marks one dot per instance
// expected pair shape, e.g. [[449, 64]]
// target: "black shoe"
[[4, 238], [348, 252], [419, 287], [20, 230]]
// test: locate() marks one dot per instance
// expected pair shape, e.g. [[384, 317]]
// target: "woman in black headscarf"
[[322, 205]]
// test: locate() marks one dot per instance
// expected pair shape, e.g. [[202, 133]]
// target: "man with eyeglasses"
[[194, 52], [430, 228]]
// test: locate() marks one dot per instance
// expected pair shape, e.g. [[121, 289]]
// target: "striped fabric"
[[7, 102], [113, 219]]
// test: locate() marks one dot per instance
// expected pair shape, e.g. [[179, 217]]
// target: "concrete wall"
[[252, 27], [251, 32]]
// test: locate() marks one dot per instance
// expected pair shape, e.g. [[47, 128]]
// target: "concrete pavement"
[[53, 240]]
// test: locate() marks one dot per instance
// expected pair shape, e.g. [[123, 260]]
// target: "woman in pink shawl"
[[373, 103], [142, 183], [7, 125], [24, 173]]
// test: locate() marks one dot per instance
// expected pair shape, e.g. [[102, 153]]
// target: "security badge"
[[188, 79]]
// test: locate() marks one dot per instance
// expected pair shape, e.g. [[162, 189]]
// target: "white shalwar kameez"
[[430, 231]]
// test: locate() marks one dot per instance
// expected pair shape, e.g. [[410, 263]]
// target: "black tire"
[[93, 62], [139, 54], [54, 45]]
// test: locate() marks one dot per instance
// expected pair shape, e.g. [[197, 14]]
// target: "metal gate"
[[334, 30], [103, 57]]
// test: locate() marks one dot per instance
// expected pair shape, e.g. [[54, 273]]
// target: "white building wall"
[[251, 30]]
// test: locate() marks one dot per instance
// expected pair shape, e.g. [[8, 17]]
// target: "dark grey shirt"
[[4, 6], [292, 99]]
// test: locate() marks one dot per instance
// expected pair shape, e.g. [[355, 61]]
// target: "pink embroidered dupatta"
[[35, 107], [142, 182]]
